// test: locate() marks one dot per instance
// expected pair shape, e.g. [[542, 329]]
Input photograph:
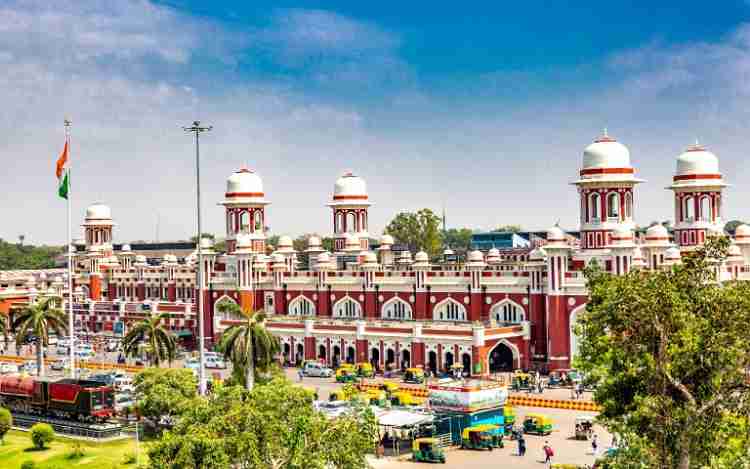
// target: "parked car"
[[124, 384], [123, 400], [215, 363], [29, 367], [58, 365], [317, 370]]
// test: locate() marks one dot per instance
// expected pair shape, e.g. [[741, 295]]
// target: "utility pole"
[[197, 130]]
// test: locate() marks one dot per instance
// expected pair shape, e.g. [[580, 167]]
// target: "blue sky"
[[482, 107]]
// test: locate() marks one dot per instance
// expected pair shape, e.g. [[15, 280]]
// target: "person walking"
[[300, 374], [595, 445], [521, 446], [548, 453]]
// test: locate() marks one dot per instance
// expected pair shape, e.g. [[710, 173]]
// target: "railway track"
[[66, 427]]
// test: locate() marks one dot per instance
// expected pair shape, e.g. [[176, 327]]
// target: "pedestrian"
[[595, 445], [548, 453], [521, 446], [300, 374]]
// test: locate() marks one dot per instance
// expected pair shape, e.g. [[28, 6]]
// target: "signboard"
[[467, 399]]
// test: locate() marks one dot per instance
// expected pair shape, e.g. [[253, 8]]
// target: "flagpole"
[[71, 319]]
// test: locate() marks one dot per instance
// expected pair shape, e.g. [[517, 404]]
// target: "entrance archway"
[[432, 361], [466, 362], [287, 352], [322, 352], [448, 361], [300, 354], [390, 357], [573, 338], [501, 358], [350, 354], [405, 359], [336, 356], [375, 358]]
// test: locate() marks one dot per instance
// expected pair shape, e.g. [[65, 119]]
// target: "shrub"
[[41, 435], [77, 451], [129, 458], [6, 422], [28, 465]]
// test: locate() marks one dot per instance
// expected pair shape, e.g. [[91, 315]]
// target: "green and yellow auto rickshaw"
[[365, 370], [389, 387], [377, 397], [521, 381], [509, 414], [537, 423], [338, 395], [427, 450], [476, 438], [495, 431], [414, 375], [345, 375]]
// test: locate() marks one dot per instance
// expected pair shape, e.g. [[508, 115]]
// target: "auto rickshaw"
[[403, 398], [414, 375], [345, 375], [362, 398], [365, 370], [476, 438], [584, 427], [537, 423], [338, 395], [509, 414], [389, 387], [521, 380], [377, 397], [495, 431], [427, 450]]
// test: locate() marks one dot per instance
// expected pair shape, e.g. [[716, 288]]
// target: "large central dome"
[[606, 152], [350, 189]]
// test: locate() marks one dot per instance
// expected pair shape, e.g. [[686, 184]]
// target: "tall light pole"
[[197, 130]]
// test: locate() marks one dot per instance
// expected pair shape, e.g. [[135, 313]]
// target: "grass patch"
[[18, 448]]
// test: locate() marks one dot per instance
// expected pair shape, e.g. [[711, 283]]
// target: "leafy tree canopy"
[[670, 352], [458, 238], [509, 229], [164, 392], [18, 256], [419, 231], [274, 426]]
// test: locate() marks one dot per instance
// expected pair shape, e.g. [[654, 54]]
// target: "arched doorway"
[[322, 352], [573, 338], [466, 362], [375, 358], [287, 352], [350, 355], [336, 356], [405, 359], [448, 361], [432, 361], [300, 354], [390, 358], [501, 358]]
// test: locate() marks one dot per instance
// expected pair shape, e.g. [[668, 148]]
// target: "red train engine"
[[76, 399]]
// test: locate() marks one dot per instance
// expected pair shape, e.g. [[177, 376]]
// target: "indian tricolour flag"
[[63, 178]]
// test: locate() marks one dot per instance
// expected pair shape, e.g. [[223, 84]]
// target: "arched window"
[[628, 205], [595, 209], [346, 307], [244, 220], [396, 308], [339, 222], [301, 306], [363, 223], [613, 205], [351, 222], [258, 220], [688, 208], [449, 310], [228, 315], [705, 209], [507, 311]]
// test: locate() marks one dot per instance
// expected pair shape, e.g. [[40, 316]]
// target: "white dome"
[[555, 234], [421, 256], [207, 243], [448, 252], [606, 152], [657, 231], [386, 239], [244, 183], [405, 256], [323, 258], [277, 259], [140, 259], [285, 241], [742, 231], [350, 240], [125, 248], [313, 242], [98, 211], [350, 187], [370, 258], [537, 254], [734, 251], [697, 160], [494, 252], [476, 256], [672, 253]]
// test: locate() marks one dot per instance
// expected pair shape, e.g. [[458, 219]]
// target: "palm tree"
[[249, 345], [161, 343], [39, 319]]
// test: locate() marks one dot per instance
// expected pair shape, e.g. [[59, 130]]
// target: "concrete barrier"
[[524, 401]]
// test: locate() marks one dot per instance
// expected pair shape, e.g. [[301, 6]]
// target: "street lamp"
[[197, 130]]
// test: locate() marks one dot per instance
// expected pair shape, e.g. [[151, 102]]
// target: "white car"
[[215, 363], [124, 384], [6, 368], [317, 370], [123, 400]]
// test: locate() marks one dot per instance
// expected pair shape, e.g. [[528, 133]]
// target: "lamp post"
[[197, 129]]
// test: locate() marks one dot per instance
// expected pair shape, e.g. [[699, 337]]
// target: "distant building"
[[498, 240]]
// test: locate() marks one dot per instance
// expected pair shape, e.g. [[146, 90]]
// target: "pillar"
[[95, 287], [361, 343]]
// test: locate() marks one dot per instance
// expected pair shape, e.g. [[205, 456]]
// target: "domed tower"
[[350, 203], [97, 228], [605, 186], [245, 206], [697, 187]]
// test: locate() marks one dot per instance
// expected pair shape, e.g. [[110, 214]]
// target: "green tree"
[[249, 345], [164, 393], [732, 225], [39, 319], [161, 344], [42, 434], [20, 256], [458, 238], [669, 350], [420, 231], [6, 423], [272, 427], [509, 229]]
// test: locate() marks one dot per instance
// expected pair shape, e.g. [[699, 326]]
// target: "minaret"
[[245, 207], [697, 187], [350, 203], [605, 186]]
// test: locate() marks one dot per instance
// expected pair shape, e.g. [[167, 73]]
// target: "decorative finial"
[[605, 132]]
